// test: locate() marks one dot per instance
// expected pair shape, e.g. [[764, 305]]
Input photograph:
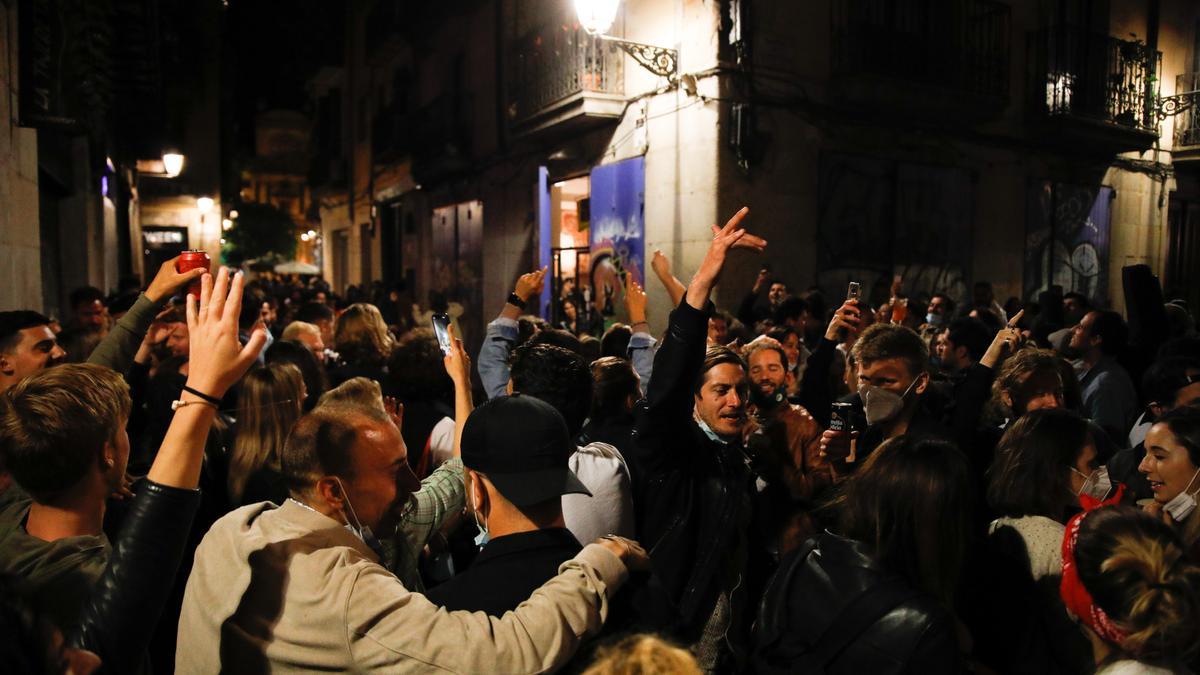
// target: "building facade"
[[1017, 142], [96, 94]]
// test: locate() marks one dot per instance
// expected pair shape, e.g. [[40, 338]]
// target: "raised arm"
[[118, 348], [502, 334], [669, 400], [122, 613], [662, 269], [642, 345]]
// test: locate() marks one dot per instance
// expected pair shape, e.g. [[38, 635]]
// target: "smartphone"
[[441, 328], [853, 291]]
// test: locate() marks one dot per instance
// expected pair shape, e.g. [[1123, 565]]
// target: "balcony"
[[1089, 90], [562, 81], [942, 58], [1187, 123]]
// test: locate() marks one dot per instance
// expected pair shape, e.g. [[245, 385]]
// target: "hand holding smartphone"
[[441, 328]]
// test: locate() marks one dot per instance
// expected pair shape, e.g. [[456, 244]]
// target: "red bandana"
[[1074, 595]]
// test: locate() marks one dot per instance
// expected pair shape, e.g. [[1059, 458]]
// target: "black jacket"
[[126, 603], [507, 571], [1123, 468], [831, 608], [692, 495]]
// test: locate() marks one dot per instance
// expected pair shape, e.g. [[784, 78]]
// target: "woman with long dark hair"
[[876, 596]]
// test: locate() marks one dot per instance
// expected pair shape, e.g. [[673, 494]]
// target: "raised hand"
[[763, 276], [457, 363], [217, 359], [395, 410], [724, 239], [167, 280], [531, 284], [1006, 343], [635, 300], [660, 264], [846, 321]]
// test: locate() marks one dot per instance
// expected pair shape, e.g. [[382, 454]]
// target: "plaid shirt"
[[442, 494]]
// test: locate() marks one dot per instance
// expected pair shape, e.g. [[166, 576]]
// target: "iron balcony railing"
[[1187, 123], [960, 45], [559, 61], [1078, 73]]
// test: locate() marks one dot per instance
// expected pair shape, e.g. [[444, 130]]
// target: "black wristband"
[[205, 397], [516, 301]]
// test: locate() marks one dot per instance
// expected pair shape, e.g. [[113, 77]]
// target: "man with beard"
[[784, 445]]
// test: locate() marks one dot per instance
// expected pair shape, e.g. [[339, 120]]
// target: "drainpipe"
[[1153, 11]]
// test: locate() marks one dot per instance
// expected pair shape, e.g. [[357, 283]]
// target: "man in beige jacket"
[[299, 588]]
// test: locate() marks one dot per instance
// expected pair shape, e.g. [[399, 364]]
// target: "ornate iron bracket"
[[658, 60], [1173, 105]]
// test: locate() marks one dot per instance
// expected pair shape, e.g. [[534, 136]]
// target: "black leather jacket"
[[822, 595], [692, 492], [124, 609]]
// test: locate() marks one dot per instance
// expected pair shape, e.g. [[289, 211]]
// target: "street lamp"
[[596, 17], [204, 204], [172, 163]]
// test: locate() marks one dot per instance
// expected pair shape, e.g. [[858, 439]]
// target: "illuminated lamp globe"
[[172, 163], [204, 204], [596, 16]]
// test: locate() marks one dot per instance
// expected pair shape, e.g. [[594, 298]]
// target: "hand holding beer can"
[[190, 260]]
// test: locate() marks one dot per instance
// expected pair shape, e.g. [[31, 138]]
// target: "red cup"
[[190, 260]]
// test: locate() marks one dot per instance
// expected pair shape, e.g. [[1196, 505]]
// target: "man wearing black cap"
[[515, 450]]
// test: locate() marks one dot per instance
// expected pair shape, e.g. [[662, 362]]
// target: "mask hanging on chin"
[[1096, 489], [934, 319], [768, 401], [368, 537], [483, 537], [1182, 504], [880, 405]]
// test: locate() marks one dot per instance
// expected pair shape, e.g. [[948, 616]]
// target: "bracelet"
[[176, 405], [516, 301], [205, 397]]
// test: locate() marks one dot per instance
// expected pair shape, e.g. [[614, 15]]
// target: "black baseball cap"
[[522, 445]]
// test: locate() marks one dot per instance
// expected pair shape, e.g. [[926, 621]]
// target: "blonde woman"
[[362, 340], [269, 404]]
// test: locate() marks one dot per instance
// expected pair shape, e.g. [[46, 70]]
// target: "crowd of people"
[[264, 477]]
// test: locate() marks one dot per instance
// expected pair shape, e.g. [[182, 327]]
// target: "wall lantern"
[[172, 163], [597, 16]]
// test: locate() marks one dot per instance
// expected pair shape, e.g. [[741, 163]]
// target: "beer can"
[[839, 416], [190, 260]]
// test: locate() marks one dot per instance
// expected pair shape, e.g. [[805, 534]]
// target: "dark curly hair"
[[416, 370], [555, 375]]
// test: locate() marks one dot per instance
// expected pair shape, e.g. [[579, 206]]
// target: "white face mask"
[[1182, 505], [483, 537], [1096, 485], [368, 537], [881, 405]]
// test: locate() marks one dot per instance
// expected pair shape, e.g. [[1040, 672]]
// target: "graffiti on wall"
[[880, 218], [1067, 240]]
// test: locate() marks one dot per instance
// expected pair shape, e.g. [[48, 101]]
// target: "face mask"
[[881, 405], [767, 401], [712, 435], [368, 537], [934, 319], [1182, 505], [1096, 485], [483, 537]]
